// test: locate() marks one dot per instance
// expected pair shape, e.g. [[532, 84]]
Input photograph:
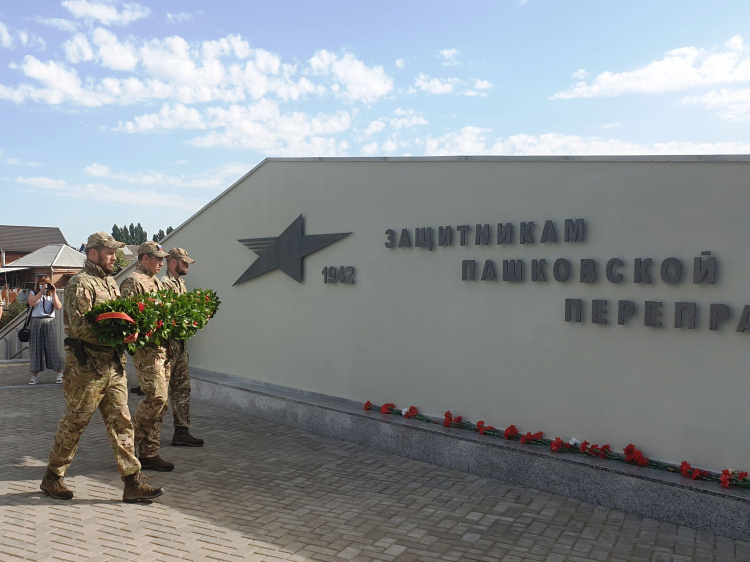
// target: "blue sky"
[[119, 112]]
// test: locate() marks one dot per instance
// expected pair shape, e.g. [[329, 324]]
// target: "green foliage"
[[159, 236], [12, 310], [157, 317], [133, 234], [120, 261]]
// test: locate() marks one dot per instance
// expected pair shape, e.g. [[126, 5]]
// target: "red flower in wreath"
[[141, 307]]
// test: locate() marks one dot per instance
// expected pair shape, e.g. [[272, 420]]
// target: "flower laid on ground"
[[510, 432], [728, 477], [138, 320]]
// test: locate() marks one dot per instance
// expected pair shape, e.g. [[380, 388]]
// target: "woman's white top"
[[45, 308]]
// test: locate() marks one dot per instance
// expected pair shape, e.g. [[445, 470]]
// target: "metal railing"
[[13, 348]]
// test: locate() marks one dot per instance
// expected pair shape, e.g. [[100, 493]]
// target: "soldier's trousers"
[[150, 364], [179, 386], [85, 390]]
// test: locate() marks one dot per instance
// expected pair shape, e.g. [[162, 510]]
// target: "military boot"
[[156, 463], [182, 437], [53, 486], [136, 490]]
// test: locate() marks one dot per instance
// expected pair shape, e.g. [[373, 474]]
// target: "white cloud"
[[680, 69], [476, 141], [177, 116], [732, 105], [406, 118], [106, 13], [260, 126], [108, 194], [482, 84], [449, 57], [44, 183], [77, 49], [580, 74], [400, 63], [179, 18], [59, 23], [375, 127], [31, 40], [163, 69], [112, 53], [359, 82], [215, 179], [370, 149], [435, 85], [6, 39], [61, 85]]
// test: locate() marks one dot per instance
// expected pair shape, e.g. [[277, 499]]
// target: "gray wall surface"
[[411, 331]]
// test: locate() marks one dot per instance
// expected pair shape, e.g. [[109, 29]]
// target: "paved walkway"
[[258, 491]]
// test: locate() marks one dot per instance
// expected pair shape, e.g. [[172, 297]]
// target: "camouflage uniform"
[[100, 384], [179, 375], [150, 362]]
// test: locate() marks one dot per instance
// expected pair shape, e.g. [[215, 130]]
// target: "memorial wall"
[[602, 298]]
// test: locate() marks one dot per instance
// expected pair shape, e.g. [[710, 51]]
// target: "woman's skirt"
[[43, 345]]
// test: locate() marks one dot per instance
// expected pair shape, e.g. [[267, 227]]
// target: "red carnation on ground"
[[457, 420], [448, 419], [510, 432], [386, 408], [368, 405], [556, 445], [584, 446], [725, 476], [412, 412]]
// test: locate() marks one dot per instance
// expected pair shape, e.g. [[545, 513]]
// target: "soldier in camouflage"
[[178, 263], [150, 363], [94, 378]]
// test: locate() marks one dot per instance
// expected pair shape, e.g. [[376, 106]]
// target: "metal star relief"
[[285, 252]]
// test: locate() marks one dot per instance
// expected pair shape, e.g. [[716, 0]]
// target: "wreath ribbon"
[[114, 316]]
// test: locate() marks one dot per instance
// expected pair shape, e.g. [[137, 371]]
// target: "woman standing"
[[43, 343]]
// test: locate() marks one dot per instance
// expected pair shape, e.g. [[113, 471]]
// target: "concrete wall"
[[410, 331]]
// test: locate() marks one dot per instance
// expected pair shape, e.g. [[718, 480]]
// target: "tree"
[[159, 236], [133, 234], [120, 261]]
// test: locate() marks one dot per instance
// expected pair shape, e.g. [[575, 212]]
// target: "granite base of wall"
[[663, 496]]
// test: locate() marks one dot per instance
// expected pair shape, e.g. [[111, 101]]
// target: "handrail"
[[9, 333]]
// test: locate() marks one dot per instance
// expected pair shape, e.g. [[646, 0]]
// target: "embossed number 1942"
[[333, 274]]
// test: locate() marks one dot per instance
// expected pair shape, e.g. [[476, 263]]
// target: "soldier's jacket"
[[140, 281], [176, 285], [87, 288]]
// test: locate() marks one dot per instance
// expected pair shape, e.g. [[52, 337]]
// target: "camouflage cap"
[[180, 254], [102, 239], [152, 248]]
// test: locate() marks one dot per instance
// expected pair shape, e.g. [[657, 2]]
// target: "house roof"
[[26, 239], [59, 256]]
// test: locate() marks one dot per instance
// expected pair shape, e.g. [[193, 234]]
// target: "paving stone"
[[263, 492]]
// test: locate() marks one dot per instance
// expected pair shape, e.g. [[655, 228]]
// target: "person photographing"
[[43, 352]]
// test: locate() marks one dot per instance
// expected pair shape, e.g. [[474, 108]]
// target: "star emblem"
[[286, 251]]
